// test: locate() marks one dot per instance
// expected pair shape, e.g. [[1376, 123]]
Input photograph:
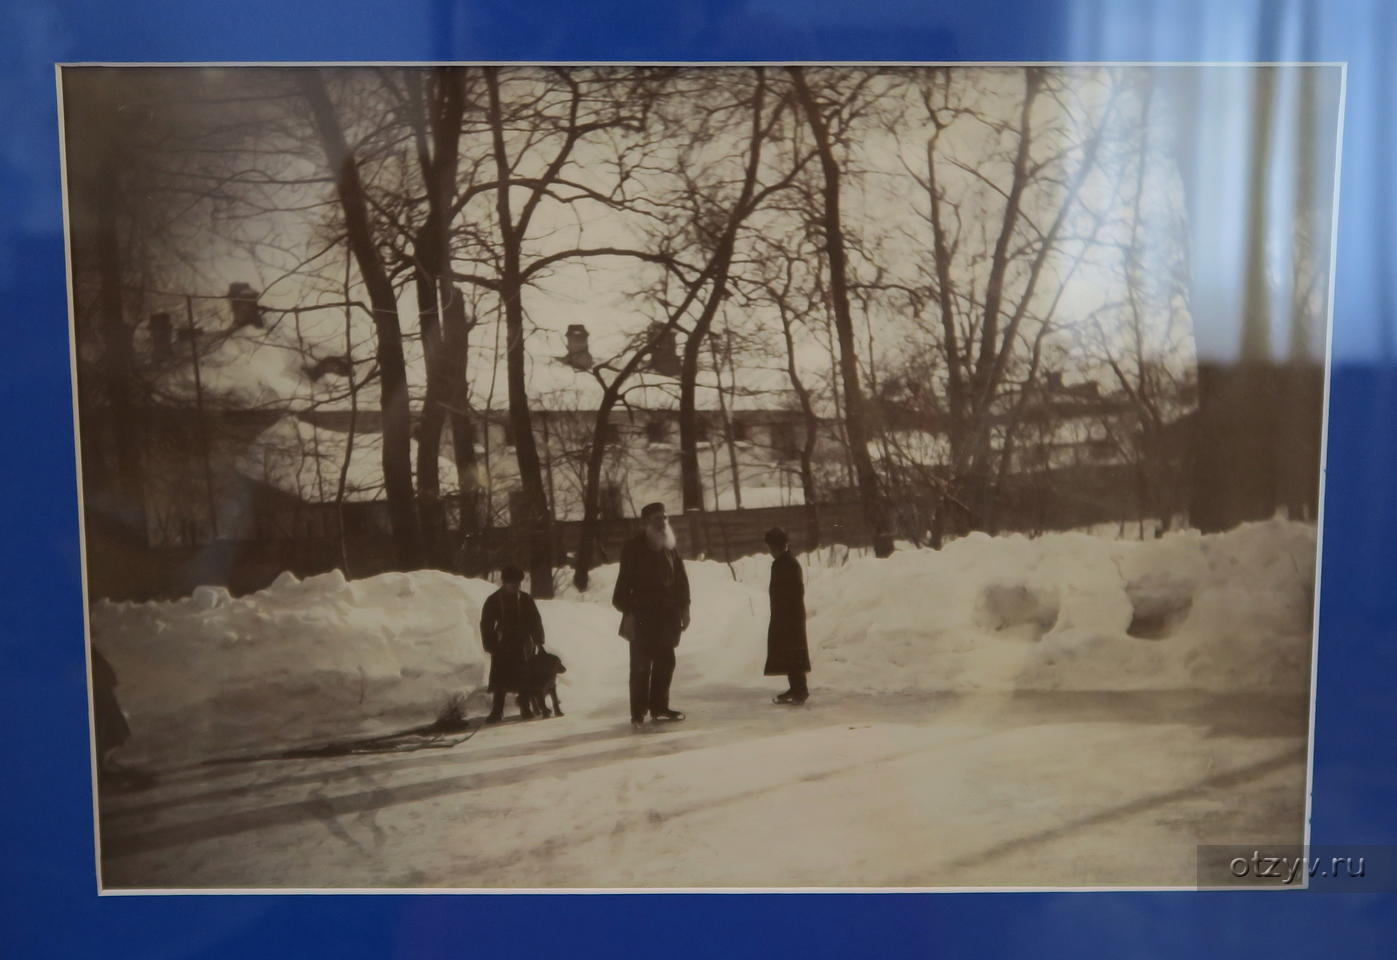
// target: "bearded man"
[[652, 594]]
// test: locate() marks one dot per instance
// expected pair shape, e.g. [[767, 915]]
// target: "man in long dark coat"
[[652, 594], [786, 650], [512, 633]]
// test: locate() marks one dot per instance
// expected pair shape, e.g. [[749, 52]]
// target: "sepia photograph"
[[698, 477]]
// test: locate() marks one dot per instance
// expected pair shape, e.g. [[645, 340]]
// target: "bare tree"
[[1144, 349], [997, 228], [783, 269], [397, 415], [434, 106], [855, 409], [149, 166], [615, 376], [715, 220], [552, 114]]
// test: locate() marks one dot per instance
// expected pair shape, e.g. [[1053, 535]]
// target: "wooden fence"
[[122, 567]]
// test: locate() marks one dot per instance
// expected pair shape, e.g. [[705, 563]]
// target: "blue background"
[[49, 906]]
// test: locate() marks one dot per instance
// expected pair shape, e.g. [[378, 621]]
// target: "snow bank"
[[308, 662], [1224, 612], [300, 661], [323, 659]]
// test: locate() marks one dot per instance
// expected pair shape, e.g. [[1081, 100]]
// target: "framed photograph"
[[383, 370], [932, 472]]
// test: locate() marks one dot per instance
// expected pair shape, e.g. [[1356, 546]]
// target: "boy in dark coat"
[[652, 594], [786, 649], [512, 632]]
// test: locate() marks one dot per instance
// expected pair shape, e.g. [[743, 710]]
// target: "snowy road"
[[1044, 789]]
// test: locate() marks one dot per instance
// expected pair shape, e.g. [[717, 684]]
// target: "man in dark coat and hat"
[[652, 594], [786, 649], [512, 633]]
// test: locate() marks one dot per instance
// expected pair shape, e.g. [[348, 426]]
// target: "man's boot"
[[496, 709]]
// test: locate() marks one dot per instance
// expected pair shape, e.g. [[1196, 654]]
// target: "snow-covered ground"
[[909, 790], [1001, 711]]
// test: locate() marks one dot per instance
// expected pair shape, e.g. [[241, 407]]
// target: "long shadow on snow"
[[1217, 781], [325, 775], [117, 844], [1245, 715]]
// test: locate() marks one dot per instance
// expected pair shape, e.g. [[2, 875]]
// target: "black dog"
[[543, 669]]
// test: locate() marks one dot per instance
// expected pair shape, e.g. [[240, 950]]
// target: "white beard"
[[665, 539]]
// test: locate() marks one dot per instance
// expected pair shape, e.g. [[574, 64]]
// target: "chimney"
[[162, 347], [1054, 380], [664, 358], [579, 355], [242, 298]]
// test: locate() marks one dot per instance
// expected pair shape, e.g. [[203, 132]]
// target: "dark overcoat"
[[112, 727], [512, 632], [652, 587], [786, 648]]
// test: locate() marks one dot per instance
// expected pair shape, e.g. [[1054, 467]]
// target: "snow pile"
[[323, 659], [1251, 620], [301, 661], [1067, 611], [313, 661]]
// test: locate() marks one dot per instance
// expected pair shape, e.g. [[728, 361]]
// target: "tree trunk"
[[971, 458], [946, 294], [343, 480], [437, 127], [725, 416], [397, 414], [536, 523], [455, 344], [431, 511], [690, 485], [812, 426], [591, 493], [870, 491]]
